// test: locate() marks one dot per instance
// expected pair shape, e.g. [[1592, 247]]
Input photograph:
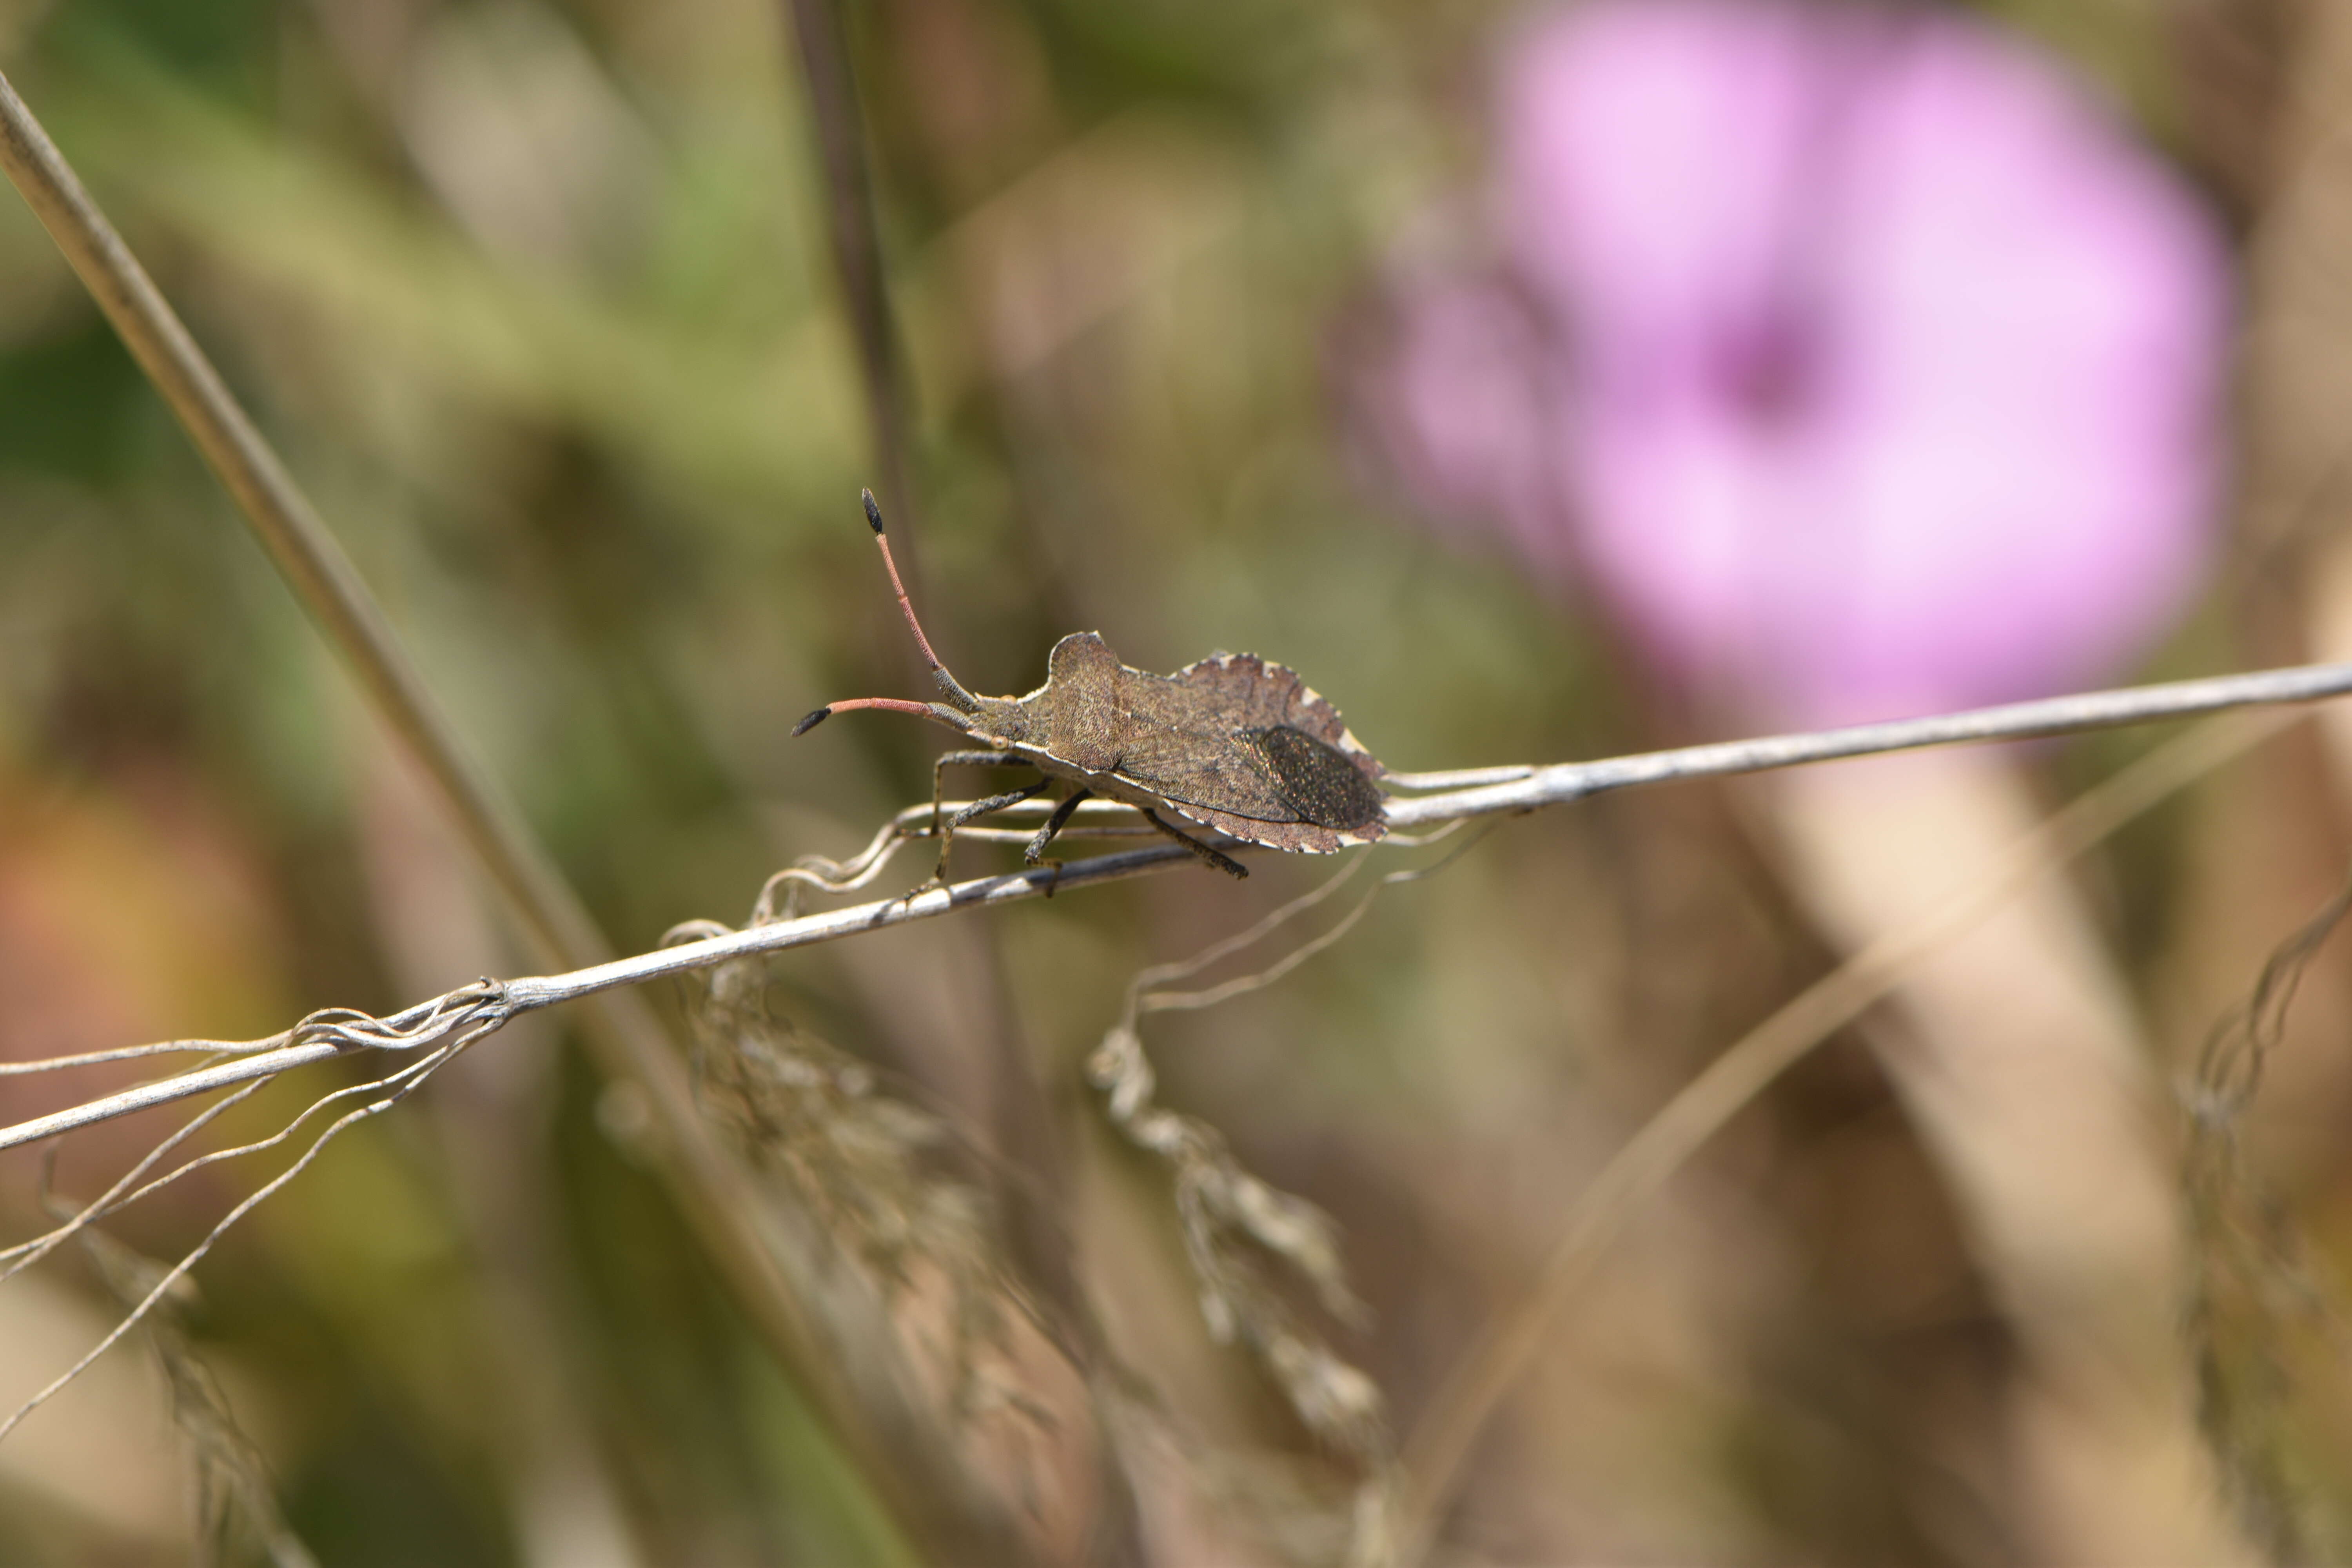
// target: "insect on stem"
[[1232, 744]]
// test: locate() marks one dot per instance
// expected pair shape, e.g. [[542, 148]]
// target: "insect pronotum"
[[1232, 744]]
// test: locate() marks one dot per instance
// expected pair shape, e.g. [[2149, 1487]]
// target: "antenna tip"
[[873, 512], [812, 721]]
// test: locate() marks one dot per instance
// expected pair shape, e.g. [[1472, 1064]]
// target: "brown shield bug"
[[1231, 744]]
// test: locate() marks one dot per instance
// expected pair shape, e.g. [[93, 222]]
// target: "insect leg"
[[965, 759], [1036, 852], [980, 809], [1053, 825], [1208, 857]]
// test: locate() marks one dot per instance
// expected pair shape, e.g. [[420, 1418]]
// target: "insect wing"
[[1188, 754], [1250, 750], [1321, 783]]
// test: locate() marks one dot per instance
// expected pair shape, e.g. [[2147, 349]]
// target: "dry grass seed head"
[[236, 1504], [2251, 1286], [876, 1171]]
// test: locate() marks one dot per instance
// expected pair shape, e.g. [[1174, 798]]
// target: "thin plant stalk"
[[1526, 789]]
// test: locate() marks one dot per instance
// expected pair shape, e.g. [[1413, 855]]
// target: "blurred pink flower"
[[1855, 358]]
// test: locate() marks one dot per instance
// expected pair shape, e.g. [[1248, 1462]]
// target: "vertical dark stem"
[[1020, 1117], [840, 131]]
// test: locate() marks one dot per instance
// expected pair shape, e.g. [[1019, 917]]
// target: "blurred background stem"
[[914, 1468], [1033, 1184]]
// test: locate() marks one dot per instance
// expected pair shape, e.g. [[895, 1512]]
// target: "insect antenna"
[[956, 695], [960, 701]]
